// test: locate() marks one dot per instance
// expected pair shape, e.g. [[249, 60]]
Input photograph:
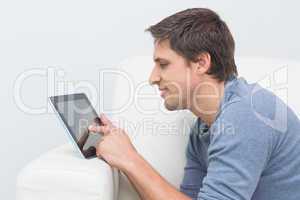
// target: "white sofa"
[[160, 136]]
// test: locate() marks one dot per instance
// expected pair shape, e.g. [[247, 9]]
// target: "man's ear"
[[203, 63]]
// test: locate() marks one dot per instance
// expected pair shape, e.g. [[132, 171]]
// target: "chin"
[[172, 106]]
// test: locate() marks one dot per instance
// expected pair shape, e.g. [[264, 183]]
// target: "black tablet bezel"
[[71, 97]]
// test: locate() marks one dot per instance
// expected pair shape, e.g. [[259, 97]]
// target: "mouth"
[[163, 92]]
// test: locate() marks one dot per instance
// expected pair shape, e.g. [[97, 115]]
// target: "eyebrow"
[[158, 59]]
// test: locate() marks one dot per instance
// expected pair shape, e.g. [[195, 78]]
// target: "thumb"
[[106, 121], [105, 130]]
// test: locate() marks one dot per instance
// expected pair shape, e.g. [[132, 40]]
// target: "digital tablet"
[[76, 113]]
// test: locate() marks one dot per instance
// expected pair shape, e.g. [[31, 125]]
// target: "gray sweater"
[[251, 151]]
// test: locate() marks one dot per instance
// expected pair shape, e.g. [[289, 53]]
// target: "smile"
[[163, 92]]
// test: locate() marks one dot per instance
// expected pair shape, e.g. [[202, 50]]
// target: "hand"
[[114, 146]]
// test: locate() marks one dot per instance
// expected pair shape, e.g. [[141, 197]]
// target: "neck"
[[207, 100]]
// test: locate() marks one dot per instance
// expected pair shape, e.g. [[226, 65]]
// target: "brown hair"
[[197, 30]]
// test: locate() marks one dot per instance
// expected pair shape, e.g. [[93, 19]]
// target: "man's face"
[[173, 76]]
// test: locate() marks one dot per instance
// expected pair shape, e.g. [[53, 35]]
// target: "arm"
[[149, 184], [115, 147]]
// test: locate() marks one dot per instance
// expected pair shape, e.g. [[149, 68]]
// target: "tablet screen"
[[77, 113]]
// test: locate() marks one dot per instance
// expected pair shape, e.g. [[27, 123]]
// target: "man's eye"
[[163, 65]]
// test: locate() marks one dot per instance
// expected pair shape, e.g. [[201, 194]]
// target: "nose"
[[155, 76]]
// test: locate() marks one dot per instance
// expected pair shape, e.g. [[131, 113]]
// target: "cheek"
[[178, 88], [176, 81]]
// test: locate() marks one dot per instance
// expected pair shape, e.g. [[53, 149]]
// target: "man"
[[245, 143]]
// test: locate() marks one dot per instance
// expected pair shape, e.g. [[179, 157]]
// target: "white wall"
[[81, 37]]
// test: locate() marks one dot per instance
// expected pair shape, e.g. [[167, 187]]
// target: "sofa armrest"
[[62, 174]]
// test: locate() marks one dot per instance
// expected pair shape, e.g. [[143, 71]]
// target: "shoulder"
[[248, 113], [252, 105], [239, 130]]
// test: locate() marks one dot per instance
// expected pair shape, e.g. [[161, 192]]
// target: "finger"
[[94, 128], [98, 152], [98, 121], [99, 156], [100, 129], [105, 120], [91, 127]]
